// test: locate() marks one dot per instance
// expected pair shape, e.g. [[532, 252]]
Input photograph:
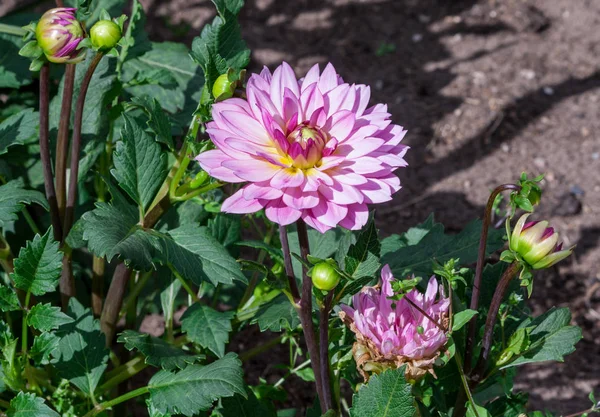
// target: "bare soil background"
[[487, 89]]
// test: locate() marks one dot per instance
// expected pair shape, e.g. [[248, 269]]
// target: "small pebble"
[[596, 156], [539, 162], [417, 37], [548, 91], [505, 147], [527, 74]]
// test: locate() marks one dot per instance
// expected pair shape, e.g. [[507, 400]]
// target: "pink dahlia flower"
[[308, 148], [390, 333]]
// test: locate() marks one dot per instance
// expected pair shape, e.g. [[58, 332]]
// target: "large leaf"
[[157, 352], [37, 269], [19, 129], [140, 165], [198, 256], [551, 338], [207, 327], [436, 245], [197, 387], [28, 405], [386, 395], [363, 256], [44, 317], [13, 198], [81, 356], [276, 315]]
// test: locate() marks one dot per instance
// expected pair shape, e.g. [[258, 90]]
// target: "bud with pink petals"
[[59, 34]]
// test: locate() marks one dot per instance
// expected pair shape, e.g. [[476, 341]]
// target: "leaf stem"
[[324, 350], [465, 383], [125, 397], [197, 192], [12, 30], [292, 371], [305, 312], [62, 142], [488, 333], [32, 225], [126, 371], [114, 301], [184, 283], [24, 329], [45, 151], [487, 218]]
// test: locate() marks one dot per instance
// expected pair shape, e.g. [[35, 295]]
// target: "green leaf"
[[19, 129], [409, 238], [386, 395], [363, 257], [198, 256], [37, 269], [322, 245], [170, 393], [226, 228], [436, 245], [14, 71], [551, 338], [43, 346], [168, 296], [28, 405], [13, 198], [238, 406], [8, 299], [158, 122], [157, 352], [462, 318], [207, 327], [81, 355], [140, 165], [44, 317], [475, 410], [276, 315]]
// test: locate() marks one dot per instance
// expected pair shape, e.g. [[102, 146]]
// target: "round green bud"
[[199, 180], [324, 276], [105, 34], [222, 88]]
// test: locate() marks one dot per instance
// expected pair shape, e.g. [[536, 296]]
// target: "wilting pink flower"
[[309, 148], [59, 33], [537, 243], [390, 333]]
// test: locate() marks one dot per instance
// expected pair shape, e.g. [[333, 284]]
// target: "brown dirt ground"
[[487, 89]]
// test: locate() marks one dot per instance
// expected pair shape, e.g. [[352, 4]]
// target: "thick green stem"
[[109, 404], [32, 225], [12, 30], [184, 284], [24, 328], [123, 373]]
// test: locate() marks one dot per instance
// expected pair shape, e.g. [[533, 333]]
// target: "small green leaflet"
[[18, 129], [81, 355], [157, 352], [276, 315], [28, 405], [551, 338], [207, 327], [37, 269], [44, 317], [386, 395], [140, 164], [170, 392], [43, 346], [462, 318], [13, 198], [158, 122], [363, 256], [8, 299]]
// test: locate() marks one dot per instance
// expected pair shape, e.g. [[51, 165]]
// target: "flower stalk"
[[324, 311]]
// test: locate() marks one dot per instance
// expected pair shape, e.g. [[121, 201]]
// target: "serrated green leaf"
[[276, 315], [461, 318], [410, 238], [8, 299], [238, 406], [157, 352], [207, 327], [198, 256], [226, 228], [158, 122], [436, 245], [28, 405], [363, 257], [37, 269], [551, 338], [44, 317], [140, 165], [43, 346], [170, 393], [386, 395], [81, 355], [19, 129], [13, 198]]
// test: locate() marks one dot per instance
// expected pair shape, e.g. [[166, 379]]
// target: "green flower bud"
[[199, 180], [537, 244], [324, 276], [105, 35], [223, 88], [58, 34]]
